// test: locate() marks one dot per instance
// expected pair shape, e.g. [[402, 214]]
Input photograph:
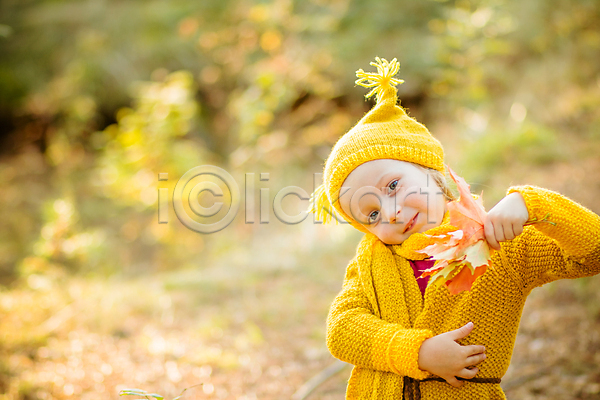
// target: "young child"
[[386, 177]]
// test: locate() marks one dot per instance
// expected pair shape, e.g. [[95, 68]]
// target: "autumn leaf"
[[461, 256], [463, 281], [467, 213]]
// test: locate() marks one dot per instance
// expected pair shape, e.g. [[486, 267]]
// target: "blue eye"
[[373, 217]]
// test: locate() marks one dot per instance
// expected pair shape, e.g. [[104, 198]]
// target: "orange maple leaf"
[[463, 281], [462, 255]]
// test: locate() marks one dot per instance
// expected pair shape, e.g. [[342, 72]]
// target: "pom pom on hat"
[[385, 132], [382, 79]]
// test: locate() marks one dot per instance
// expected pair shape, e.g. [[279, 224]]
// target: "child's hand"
[[442, 356], [505, 220]]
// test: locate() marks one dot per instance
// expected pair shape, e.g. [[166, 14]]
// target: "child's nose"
[[391, 212]]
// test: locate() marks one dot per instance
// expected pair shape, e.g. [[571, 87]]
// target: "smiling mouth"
[[411, 223]]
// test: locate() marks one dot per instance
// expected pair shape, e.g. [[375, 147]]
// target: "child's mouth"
[[411, 223]]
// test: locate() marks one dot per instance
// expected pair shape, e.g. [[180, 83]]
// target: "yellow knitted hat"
[[385, 132]]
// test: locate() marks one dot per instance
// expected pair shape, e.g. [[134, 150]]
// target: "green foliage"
[[260, 86], [530, 146]]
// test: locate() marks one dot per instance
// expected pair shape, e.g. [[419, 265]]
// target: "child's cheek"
[[426, 200], [416, 197]]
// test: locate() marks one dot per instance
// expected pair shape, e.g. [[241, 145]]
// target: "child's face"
[[392, 199]]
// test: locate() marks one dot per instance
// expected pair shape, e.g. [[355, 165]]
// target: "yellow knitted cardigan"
[[379, 319]]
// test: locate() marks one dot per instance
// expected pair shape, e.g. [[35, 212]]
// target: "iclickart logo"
[[206, 199]]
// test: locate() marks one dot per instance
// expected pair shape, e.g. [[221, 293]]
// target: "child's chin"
[[427, 227], [392, 241]]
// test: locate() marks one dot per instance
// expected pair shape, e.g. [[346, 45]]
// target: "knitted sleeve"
[[358, 336], [565, 243]]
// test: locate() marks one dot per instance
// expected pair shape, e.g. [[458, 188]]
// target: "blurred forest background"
[[98, 97]]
